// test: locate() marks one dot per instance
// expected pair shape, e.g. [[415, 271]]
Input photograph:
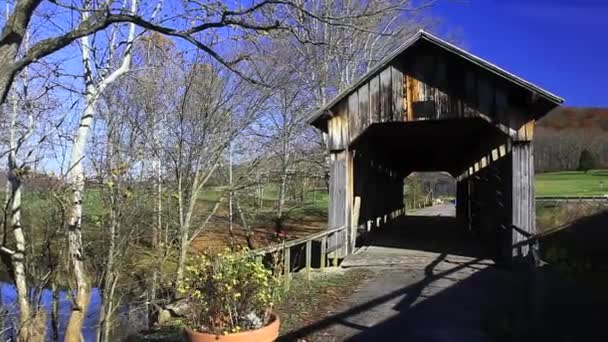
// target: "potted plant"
[[231, 296]]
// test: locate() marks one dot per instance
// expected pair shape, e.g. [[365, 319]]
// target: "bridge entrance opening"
[[430, 193], [400, 170]]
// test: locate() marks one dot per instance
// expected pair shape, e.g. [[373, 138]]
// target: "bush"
[[229, 292], [587, 161]]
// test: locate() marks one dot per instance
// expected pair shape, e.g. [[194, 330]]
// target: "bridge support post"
[[340, 203], [523, 203], [463, 205]]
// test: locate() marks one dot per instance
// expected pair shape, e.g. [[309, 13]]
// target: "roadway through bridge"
[[426, 286]]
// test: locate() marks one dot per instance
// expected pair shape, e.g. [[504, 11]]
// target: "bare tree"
[[94, 88], [260, 16]]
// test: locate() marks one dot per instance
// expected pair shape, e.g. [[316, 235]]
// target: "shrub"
[[587, 161], [229, 292]]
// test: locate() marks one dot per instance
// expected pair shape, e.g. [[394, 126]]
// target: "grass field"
[[572, 183]]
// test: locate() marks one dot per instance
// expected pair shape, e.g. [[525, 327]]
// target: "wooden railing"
[[285, 249], [572, 199]]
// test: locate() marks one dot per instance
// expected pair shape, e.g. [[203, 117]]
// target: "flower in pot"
[[231, 295]]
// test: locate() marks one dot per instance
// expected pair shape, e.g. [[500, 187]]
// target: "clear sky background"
[[560, 45]]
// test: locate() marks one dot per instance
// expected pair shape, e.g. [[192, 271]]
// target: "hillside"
[[576, 118], [565, 132]]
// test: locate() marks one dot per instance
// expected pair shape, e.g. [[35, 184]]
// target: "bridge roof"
[[451, 48]]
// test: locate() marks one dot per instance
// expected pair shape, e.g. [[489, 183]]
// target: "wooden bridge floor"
[[426, 287]]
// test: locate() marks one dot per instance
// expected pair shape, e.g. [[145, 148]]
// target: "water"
[[130, 318]]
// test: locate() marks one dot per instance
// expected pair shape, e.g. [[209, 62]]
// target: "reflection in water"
[[130, 319]]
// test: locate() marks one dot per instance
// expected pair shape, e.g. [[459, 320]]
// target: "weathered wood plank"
[[374, 100], [397, 95], [337, 128], [354, 128], [412, 96], [338, 203], [523, 204], [323, 253], [386, 95], [308, 259], [287, 268], [526, 132], [364, 115], [355, 221], [337, 191]]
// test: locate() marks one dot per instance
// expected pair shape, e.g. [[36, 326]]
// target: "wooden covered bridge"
[[431, 106]]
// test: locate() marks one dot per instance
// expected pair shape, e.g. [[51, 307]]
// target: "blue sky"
[[560, 45]]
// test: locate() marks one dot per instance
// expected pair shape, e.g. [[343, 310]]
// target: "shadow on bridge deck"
[[416, 236], [441, 298], [430, 281], [438, 234]]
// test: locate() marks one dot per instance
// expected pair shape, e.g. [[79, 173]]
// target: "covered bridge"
[[431, 106]]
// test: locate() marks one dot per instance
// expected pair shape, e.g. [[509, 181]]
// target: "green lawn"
[[572, 183]]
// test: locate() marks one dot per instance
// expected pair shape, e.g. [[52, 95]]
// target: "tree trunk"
[[18, 259], [184, 242], [249, 231], [282, 194], [105, 314], [231, 194], [14, 188], [184, 229], [76, 180]]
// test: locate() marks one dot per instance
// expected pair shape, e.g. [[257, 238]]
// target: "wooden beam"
[[323, 253], [287, 268], [523, 203], [308, 258], [526, 131]]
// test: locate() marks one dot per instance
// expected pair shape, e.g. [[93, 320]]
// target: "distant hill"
[[574, 118], [563, 133]]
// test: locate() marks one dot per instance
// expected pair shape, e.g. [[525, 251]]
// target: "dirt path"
[[423, 291]]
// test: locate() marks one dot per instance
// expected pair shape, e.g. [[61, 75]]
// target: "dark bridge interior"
[[386, 153], [430, 145]]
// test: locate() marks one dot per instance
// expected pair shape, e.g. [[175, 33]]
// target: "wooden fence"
[[558, 199], [285, 249]]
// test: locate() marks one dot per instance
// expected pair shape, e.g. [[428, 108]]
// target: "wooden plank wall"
[[452, 89], [379, 189], [490, 206], [381, 99], [501, 194], [337, 129], [430, 88]]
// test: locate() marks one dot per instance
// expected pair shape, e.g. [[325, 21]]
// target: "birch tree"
[[30, 109], [260, 16], [94, 88]]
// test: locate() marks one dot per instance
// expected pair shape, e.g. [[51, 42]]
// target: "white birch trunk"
[[76, 177], [14, 188], [76, 180]]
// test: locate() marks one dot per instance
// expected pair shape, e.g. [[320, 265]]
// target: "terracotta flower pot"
[[268, 333]]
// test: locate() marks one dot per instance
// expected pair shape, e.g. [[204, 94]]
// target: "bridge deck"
[[425, 286]]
